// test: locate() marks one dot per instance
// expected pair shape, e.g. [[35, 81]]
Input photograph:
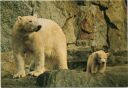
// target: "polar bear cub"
[[97, 62]]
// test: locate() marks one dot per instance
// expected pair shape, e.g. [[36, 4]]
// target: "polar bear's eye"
[[30, 21]]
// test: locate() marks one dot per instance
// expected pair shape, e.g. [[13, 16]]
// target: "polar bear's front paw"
[[19, 74], [36, 73]]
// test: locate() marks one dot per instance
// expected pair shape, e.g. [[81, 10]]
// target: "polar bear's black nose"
[[39, 26]]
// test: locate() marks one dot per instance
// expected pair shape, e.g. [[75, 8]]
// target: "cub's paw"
[[36, 73], [19, 74]]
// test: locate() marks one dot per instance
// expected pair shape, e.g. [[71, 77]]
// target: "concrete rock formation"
[[85, 23]]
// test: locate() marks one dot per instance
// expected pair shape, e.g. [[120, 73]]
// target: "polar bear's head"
[[28, 23], [101, 57]]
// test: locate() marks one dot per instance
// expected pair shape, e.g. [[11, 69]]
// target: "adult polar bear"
[[41, 38]]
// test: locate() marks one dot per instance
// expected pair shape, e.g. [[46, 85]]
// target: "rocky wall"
[[88, 25]]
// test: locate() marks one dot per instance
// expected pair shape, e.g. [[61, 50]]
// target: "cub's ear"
[[19, 18], [107, 54]]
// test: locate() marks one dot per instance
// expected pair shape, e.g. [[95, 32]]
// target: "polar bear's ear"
[[35, 15], [19, 18]]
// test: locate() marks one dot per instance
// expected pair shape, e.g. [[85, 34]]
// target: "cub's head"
[[28, 23], [101, 57]]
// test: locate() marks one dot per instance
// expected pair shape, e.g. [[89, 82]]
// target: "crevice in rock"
[[102, 8], [108, 21], [109, 25], [126, 2], [80, 2], [66, 22], [108, 41]]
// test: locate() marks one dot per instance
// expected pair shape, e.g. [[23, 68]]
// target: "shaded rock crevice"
[[109, 22], [102, 7], [110, 25]]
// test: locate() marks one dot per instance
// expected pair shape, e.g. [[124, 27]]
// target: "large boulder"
[[114, 77], [9, 13], [93, 28], [117, 25]]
